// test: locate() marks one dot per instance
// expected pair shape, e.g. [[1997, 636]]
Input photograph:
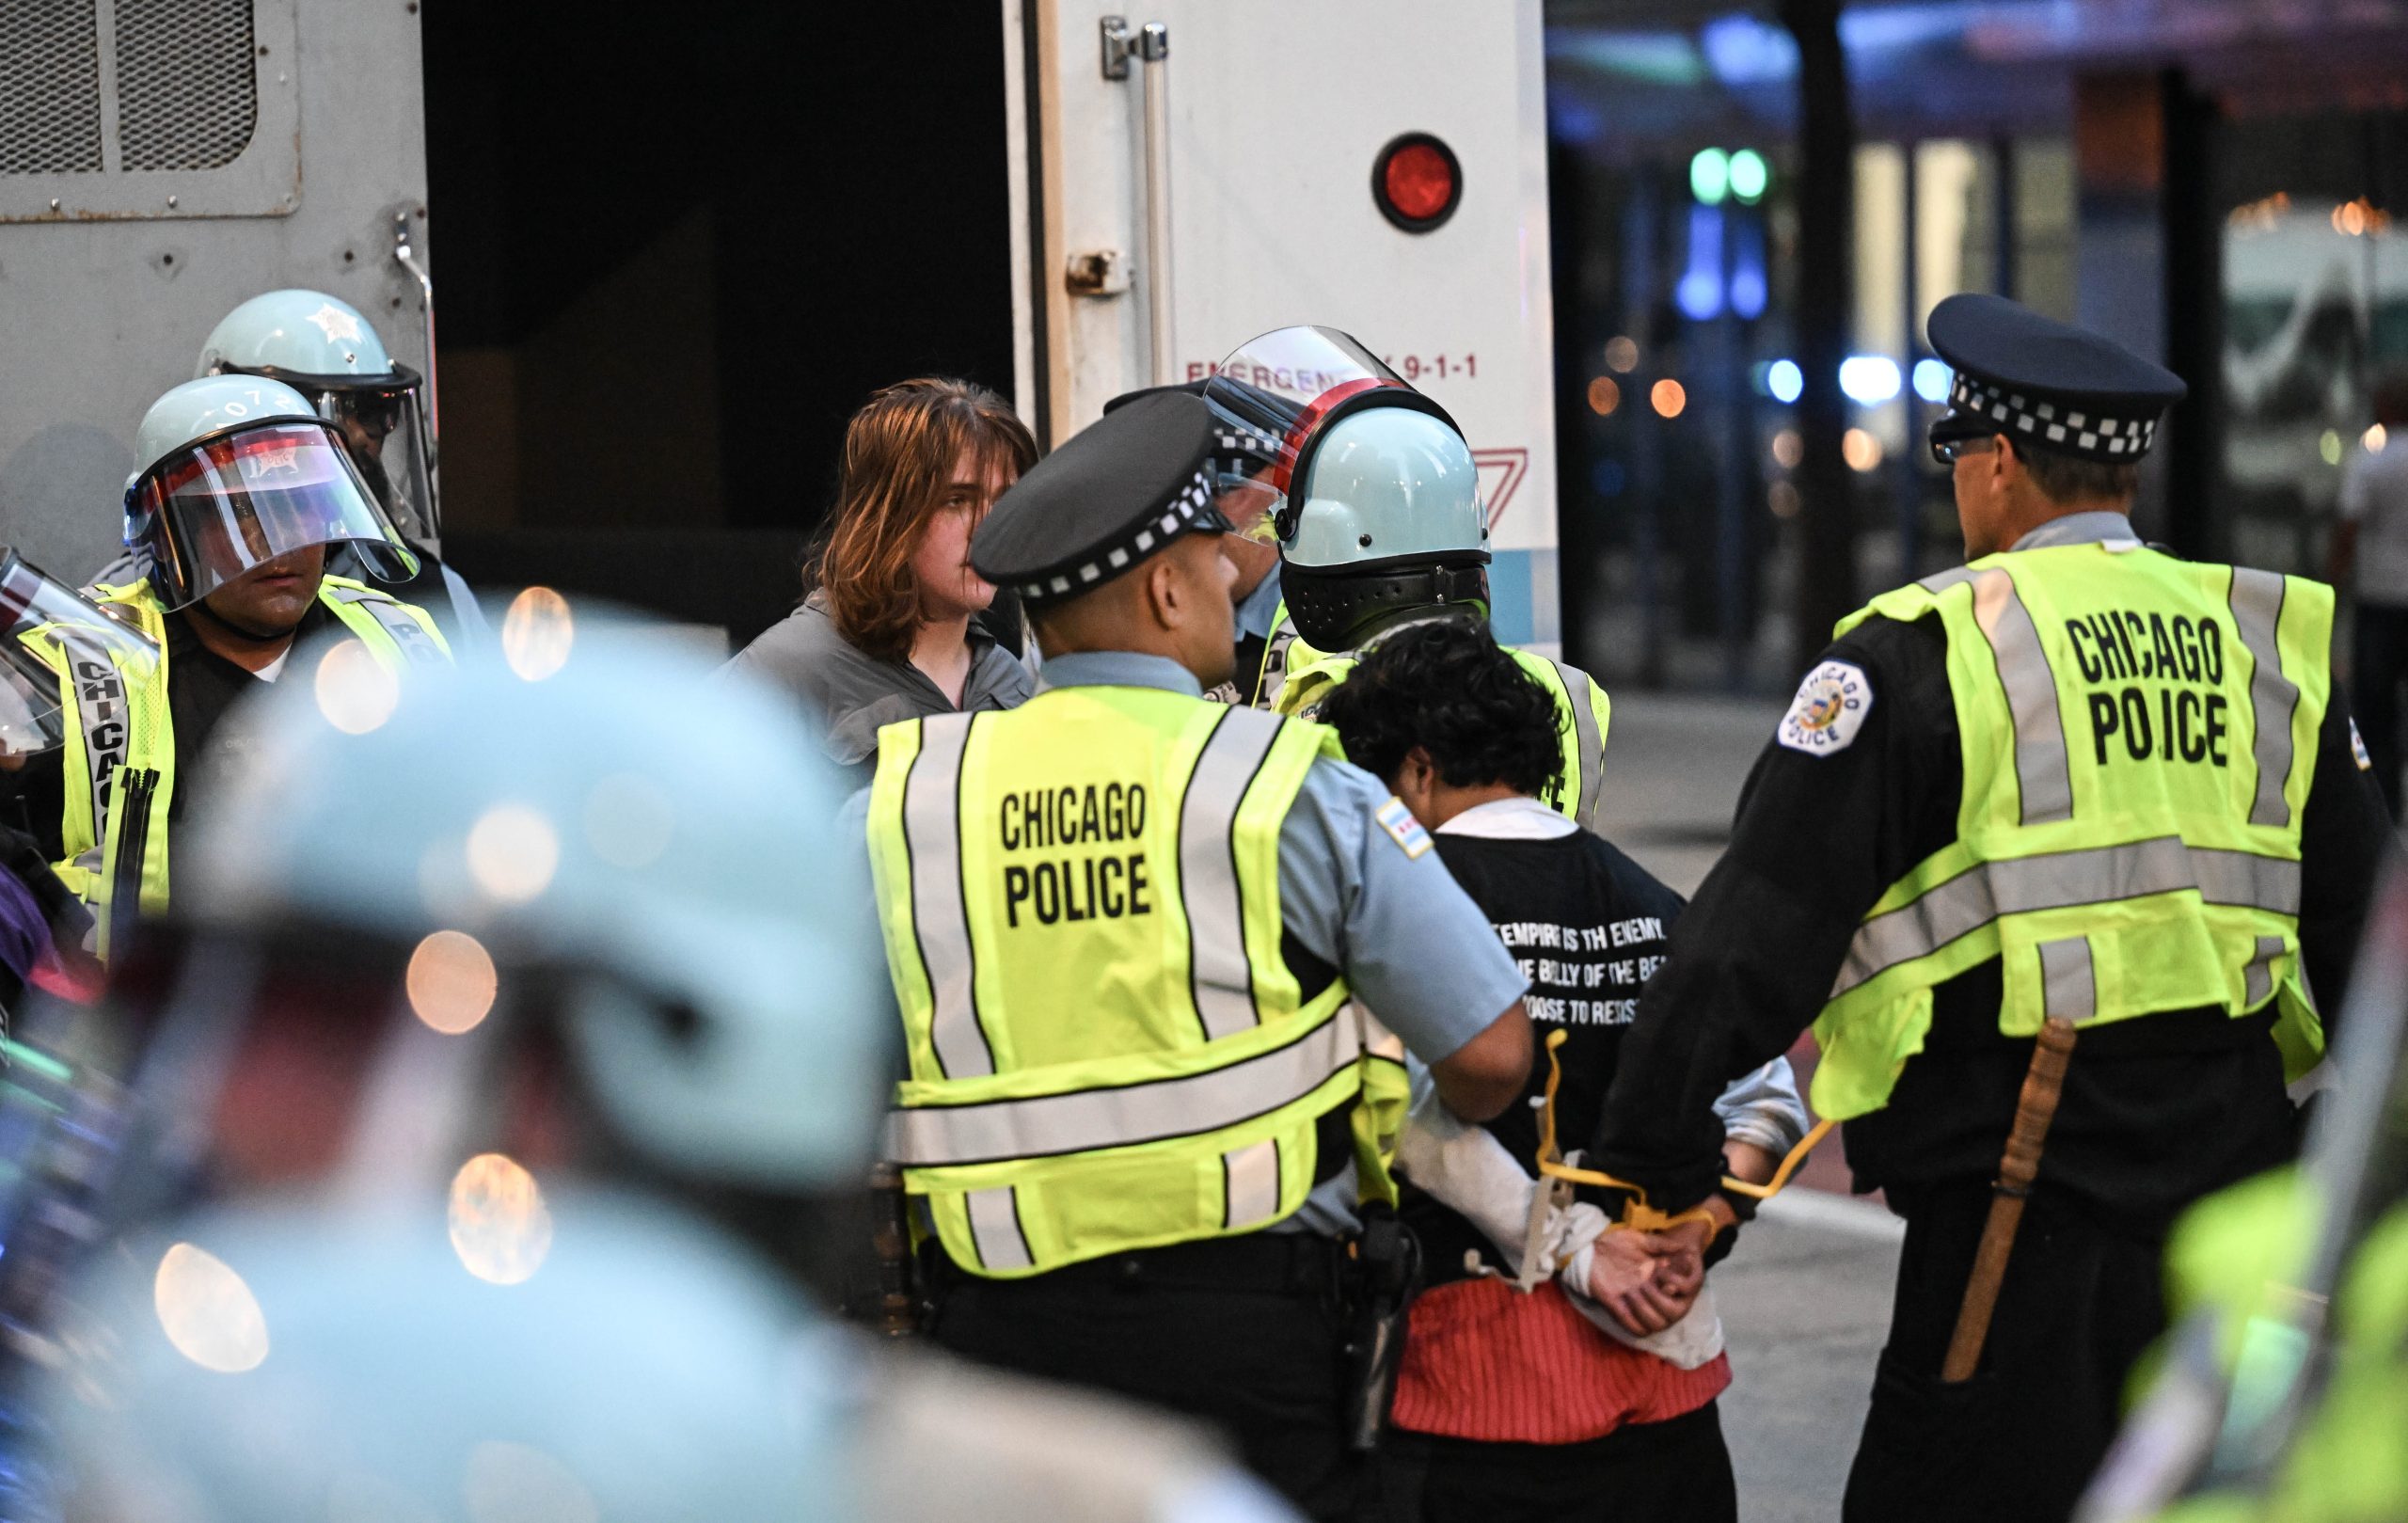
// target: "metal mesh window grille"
[[50, 87], [187, 89]]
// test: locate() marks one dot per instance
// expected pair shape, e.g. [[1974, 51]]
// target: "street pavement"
[[1805, 1295]]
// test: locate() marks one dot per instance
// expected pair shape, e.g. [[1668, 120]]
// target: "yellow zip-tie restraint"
[[1637, 1215]]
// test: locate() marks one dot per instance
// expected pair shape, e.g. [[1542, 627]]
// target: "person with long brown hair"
[[887, 630]]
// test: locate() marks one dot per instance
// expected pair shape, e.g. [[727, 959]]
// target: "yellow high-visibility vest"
[[123, 730], [1583, 710], [1108, 1051], [2138, 736]]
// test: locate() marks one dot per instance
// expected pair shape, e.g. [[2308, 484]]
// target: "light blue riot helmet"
[[326, 349], [1372, 493], [284, 1362], [239, 471], [1391, 524], [638, 852]]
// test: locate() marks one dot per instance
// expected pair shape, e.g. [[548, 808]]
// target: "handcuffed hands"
[[1647, 1282]]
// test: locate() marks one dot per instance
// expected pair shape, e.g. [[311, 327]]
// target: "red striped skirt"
[[1484, 1361]]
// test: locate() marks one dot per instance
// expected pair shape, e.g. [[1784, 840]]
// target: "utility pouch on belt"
[[1383, 1269]]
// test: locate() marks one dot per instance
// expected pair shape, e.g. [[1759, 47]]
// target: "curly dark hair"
[[1449, 687]]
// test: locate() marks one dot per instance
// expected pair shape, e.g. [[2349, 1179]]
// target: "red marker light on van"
[[1416, 181]]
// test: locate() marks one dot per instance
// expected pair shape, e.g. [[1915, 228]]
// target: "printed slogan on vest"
[[1069, 884], [2187, 718]]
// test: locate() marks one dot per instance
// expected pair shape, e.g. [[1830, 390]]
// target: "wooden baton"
[[2034, 1110]]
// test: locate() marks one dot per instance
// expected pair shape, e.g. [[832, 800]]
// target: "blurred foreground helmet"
[[1373, 494], [643, 848], [324, 348], [242, 470], [48, 630], [289, 1364]]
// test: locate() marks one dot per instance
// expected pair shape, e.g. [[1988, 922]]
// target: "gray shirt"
[[848, 692]]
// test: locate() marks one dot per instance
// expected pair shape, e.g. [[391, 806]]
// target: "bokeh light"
[[1861, 449], [1750, 175], [1668, 397], [1869, 380], [208, 1313], [2375, 439], [1785, 500], [1932, 379], [1788, 448], [356, 691], [513, 853], [2329, 446], [1710, 176], [500, 1227], [1621, 355], [450, 981], [537, 633], [1785, 380], [1604, 396]]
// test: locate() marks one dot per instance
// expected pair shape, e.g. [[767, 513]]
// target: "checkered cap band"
[[1241, 448], [2075, 431], [1176, 518]]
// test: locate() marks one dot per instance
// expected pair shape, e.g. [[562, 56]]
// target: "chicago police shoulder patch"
[[1403, 827], [1829, 709]]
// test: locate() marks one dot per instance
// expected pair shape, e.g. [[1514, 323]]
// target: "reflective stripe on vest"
[[2060, 881], [1084, 1120], [1590, 745], [1108, 1048], [2132, 868]]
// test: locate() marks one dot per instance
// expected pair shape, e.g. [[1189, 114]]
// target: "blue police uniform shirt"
[[1259, 610], [1413, 945]]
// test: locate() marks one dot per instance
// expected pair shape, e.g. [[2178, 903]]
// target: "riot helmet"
[[1369, 488], [325, 349], [242, 470], [39, 617]]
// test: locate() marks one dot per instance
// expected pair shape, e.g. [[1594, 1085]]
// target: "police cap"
[[1116, 493], [2035, 379], [1241, 449]]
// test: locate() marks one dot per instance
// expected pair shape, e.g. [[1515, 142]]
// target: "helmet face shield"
[[53, 615], [383, 427], [220, 508], [1269, 398]]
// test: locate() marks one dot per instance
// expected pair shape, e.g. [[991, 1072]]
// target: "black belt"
[[1261, 1263]]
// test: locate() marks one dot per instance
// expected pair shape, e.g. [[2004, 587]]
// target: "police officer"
[[502, 1123], [244, 491], [1374, 501], [42, 926], [324, 348], [1241, 461], [1123, 925], [2077, 777]]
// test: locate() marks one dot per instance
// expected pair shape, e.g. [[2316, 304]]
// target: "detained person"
[[1588, 1394]]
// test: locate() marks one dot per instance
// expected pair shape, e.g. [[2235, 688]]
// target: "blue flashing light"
[[1750, 290], [1869, 380], [1932, 379], [1699, 294], [1785, 380]]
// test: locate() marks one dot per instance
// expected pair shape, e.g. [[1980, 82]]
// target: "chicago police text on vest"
[[1076, 885], [2124, 644]]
